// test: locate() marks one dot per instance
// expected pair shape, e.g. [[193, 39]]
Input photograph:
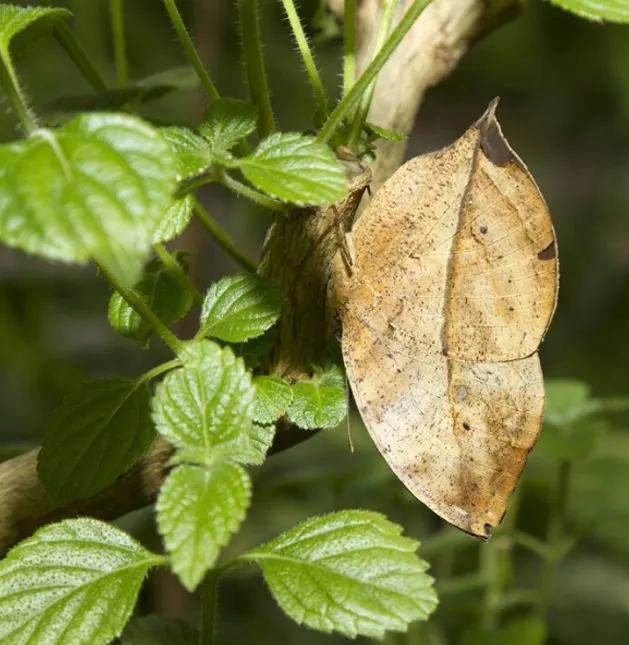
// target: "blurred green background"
[[564, 85]]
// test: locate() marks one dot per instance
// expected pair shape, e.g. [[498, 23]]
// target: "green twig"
[[353, 96], [120, 50], [158, 370], [189, 48], [250, 193], [223, 238], [209, 603], [306, 54], [254, 63], [135, 301], [170, 262], [349, 46], [13, 91], [387, 11]]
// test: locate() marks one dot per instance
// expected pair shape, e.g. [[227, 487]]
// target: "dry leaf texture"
[[452, 288]]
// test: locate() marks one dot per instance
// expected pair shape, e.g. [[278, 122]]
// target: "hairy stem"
[[209, 603], [254, 63], [250, 193], [190, 49], [306, 54], [223, 238], [370, 73], [135, 301], [13, 91], [349, 46]]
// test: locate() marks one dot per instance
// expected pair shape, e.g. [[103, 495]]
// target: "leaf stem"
[[555, 533], [158, 370], [189, 48], [170, 262], [254, 63], [118, 33], [306, 54], [78, 54], [209, 603], [352, 97], [246, 191], [349, 45], [387, 11], [13, 91], [223, 238], [135, 301]]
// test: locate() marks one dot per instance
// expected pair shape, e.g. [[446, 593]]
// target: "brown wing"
[[439, 347]]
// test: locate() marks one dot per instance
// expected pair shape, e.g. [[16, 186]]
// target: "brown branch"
[[438, 40]]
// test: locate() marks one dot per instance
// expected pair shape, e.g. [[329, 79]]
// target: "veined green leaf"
[[71, 582], [205, 404], [273, 396], [99, 432], [162, 291], [96, 188], [192, 156], [320, 402], [295, 168], [14, 19], [612, 10], [351, 572], [159, 630], [227, 121], [198, 509], [241, 306]]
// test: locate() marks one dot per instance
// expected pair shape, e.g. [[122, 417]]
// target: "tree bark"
[[437, 41]]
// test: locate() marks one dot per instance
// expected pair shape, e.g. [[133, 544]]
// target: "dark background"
[[564, 88]]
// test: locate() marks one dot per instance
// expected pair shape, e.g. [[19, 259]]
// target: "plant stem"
[[349, 46], [254, 63], [189, 48], [13, 91], [306, 54], [387, 10], [555, 534], [77, 53], [159, 369], [169, 261], [135, 301], [245, 191], [352, 97], [117, 30], [223, 238], [209, 602]]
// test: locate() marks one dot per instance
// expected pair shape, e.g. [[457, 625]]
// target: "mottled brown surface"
[[452, 291]]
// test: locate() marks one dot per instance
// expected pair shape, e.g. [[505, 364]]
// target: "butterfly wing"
[[453, 288]]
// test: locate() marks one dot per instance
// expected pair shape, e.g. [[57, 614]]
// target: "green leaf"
[[228, 121], [612, 10], [378, 132], [241, 306], [71, 582], [13, 20], [159, 630], [161, 289], [320, 402], [295, 168], [273, 396], [192, 156], [198, 509], [351, 572], [205, 404], [254, 445], [99, 432], [96, 188]]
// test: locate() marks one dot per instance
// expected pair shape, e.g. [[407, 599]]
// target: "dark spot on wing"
[[549, 253], [466, 425], [483, 229]]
